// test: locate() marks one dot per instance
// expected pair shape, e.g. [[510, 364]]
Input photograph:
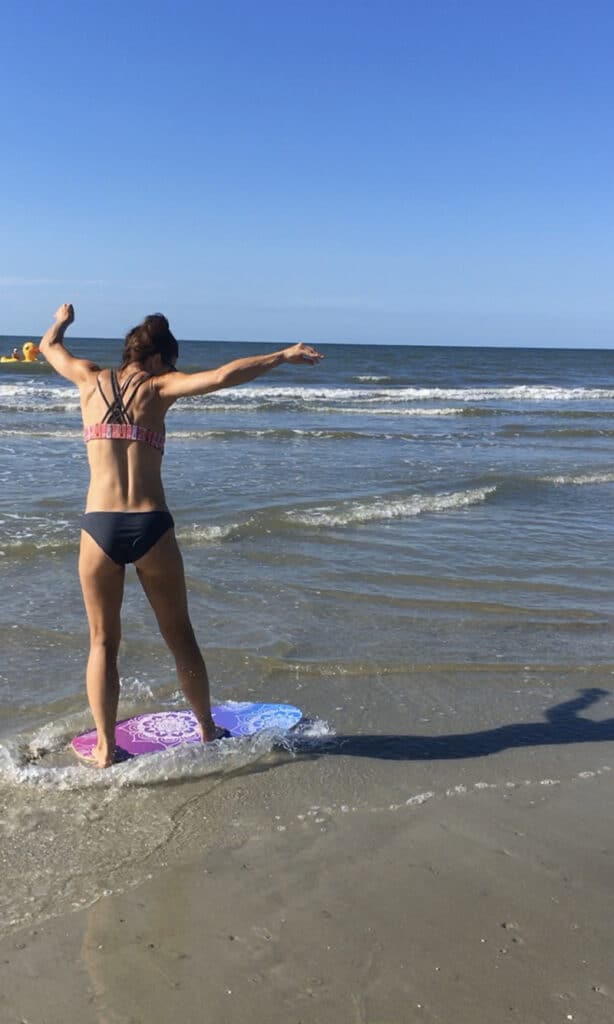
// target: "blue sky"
[[411, 172]]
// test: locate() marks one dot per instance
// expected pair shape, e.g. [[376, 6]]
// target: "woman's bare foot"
[[209, 731], [103, 755]]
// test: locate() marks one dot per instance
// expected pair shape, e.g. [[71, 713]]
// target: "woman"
[[126, 517]]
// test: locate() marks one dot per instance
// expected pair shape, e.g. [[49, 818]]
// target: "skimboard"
[[163, 730]]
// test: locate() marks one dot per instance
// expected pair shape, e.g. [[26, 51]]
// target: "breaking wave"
[[580, 479], [354, 512]]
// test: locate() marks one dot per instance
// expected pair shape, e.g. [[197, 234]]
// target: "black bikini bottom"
[[126, 536]]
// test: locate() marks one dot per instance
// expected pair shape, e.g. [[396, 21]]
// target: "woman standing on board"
[[126, 517]]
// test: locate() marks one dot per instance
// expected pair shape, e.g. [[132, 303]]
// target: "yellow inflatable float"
[[30, 354]]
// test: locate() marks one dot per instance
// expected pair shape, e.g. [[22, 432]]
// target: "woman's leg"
[[102, 582], [161, 574]]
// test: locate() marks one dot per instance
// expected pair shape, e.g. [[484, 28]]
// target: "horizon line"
[[359, 344]]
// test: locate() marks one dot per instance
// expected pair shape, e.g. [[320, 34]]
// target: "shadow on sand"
[[562, 725]]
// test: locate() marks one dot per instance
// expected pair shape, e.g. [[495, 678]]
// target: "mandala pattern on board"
[[167, 728], [265, 718], [161, 730]]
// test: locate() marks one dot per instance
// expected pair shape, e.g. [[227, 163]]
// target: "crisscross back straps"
[[118, 409]]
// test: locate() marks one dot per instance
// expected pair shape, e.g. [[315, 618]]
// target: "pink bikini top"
[[117, 422]]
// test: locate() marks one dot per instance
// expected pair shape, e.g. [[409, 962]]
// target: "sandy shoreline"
[[485, 905]]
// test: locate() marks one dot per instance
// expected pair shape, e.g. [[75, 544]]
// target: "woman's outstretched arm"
[[52, 347], [179, 385]]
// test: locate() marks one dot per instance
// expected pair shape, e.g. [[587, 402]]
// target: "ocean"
[[413, 544]]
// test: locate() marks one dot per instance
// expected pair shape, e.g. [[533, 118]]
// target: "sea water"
[[413, 544]]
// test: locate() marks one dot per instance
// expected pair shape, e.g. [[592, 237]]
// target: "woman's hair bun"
[[152, 337]]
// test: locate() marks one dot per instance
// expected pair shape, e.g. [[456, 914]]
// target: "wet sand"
[[476, 903]]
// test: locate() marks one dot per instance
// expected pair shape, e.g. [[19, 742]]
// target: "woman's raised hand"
[[302, 353], [65, 314]]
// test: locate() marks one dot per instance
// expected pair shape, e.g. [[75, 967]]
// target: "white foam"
[[419, 798], [371, 378], [399, 411], [35, 432], [207, 534], [22, 758], [21, 532], [377, 508], [305, 395], [374, 410], [31, 396], [265, 432], [580, 479], [28, 395]]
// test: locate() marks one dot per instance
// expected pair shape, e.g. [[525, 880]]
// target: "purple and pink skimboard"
[[162, 730]]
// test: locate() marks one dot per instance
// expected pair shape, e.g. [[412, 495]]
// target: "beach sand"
[[415, 547], [480, 902]]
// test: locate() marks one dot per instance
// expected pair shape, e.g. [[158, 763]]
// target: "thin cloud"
[[14, 281], [35, 282]]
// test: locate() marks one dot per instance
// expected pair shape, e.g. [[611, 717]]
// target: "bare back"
[[125, 467], [125, 475]]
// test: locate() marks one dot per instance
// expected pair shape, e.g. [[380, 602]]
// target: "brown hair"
[[152, 336]]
